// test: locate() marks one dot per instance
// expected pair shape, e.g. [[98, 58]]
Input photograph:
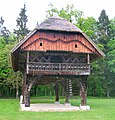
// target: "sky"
[[36, 9]]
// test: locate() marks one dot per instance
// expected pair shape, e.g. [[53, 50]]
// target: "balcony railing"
[[58, 68]]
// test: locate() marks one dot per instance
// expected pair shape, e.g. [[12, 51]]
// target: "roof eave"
[[23, 41], [99, 51]]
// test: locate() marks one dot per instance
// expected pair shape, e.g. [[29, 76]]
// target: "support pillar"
[[83, 90], [26, 92], [56, 92], [27, 97], [23, 87], [67, 92]]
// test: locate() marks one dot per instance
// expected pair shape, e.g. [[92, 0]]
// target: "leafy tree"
[[111, 65], [112, 28], [96, 86], [88, 25], [5, 64], [14, 80], [2, 43], [69, 13], [22, 20]]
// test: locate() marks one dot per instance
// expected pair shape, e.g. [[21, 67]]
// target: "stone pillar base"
[[21, 99], [67, 104], [57, 102], [84, 107]]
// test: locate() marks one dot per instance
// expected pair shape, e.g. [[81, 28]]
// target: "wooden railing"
[[58, 68]]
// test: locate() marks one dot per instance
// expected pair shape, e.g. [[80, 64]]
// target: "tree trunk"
[[108, 92]]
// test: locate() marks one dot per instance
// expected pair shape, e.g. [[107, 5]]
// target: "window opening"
[[40, 44], [75, 45]]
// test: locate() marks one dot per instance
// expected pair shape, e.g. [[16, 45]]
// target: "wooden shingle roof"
[[58, 24]]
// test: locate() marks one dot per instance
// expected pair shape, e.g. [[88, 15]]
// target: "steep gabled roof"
[[57, 24]]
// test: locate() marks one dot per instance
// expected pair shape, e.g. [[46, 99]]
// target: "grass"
[[101, 109]]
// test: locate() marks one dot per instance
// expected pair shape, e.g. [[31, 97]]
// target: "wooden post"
[[23, 88], [26, 92], [88, 59], [27, 62], [67, 91], [83, 90], [57, 92], [27, 97]]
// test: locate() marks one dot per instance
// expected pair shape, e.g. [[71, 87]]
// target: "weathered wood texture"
[[56, 41], [83, 89], [57, 92], [58, 69]]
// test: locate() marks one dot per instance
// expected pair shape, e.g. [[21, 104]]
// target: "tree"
[[88, 25], [14, 80], [5, 64], [69, 13], [103, 30], [22, 20], [3, 30], [104, 37], [112, 28]]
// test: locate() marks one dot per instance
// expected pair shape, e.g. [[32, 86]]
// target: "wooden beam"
[[57, 92], [88, 58], [27, 69], [67, 91], [23, 87], [27, 97]]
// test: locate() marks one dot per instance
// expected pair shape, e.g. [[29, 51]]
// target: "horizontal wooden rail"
[[60, 68]]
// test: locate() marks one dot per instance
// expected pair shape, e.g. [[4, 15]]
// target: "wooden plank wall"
[[57, 41]]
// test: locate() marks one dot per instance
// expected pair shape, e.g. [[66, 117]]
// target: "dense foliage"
[[100, 83]]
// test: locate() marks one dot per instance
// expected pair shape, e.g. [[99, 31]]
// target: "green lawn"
[[101, 109]]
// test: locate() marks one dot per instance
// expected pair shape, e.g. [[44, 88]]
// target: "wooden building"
[[55, 51]]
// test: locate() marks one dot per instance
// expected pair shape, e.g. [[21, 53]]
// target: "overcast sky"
[[36, 9]]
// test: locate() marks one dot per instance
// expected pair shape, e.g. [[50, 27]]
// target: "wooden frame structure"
[[55, 49]]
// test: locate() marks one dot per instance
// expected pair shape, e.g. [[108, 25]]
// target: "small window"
[[40, 44], [75, 45]]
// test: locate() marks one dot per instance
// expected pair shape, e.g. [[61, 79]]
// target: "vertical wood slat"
[[27, 67], [88, 58], [67, 42]]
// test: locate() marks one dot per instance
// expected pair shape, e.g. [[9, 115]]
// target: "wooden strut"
[[83, 90], [65, 85], [29, 82], [67, 91]]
